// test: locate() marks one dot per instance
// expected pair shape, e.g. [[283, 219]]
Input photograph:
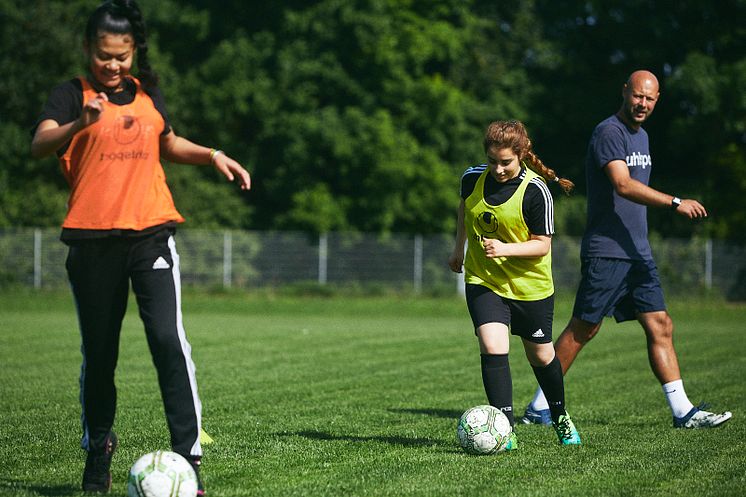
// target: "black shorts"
[[617, 287], [531, 320]]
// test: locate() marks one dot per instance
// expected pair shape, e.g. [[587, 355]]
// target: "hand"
[[493, 247], [232, 170], [92, 110], [456, 261], [691, 209]]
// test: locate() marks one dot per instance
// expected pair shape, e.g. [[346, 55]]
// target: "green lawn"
[[347, 397]]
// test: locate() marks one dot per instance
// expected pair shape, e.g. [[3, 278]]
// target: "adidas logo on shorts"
[[538, 334]]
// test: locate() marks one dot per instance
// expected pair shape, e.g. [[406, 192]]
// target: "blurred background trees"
[[362, 115]]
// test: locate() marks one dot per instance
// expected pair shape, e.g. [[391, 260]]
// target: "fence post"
[[227, 259], [37, 258], [460, 282], [323, 255], [708, 264], [417, 264]]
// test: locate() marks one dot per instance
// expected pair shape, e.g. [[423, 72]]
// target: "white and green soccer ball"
[[483, 430], [162, 474]]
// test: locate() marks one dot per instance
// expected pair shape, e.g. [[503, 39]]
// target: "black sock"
[[498, 384], [552, 383]]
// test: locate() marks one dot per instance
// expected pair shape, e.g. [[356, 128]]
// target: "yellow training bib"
[[518, 278]]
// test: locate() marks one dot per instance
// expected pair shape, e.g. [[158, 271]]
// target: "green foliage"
[[696, 50], [32, 193], [569, 215], [314, 210], [362, 115], [729, 167], [207, 200], [352, 116], [711, 131]]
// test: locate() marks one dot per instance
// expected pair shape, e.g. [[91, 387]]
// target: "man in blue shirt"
[[619, 276]]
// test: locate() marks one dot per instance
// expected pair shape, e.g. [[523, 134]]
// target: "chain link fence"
[[399, 262]]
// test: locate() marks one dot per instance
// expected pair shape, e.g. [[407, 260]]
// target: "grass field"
[[360, 397]]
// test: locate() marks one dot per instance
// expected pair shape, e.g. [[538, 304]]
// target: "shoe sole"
[[529, 421], [726, 415], [719, 423]]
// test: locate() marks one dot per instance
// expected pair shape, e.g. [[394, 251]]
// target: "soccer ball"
[[483, 430], [162, 474]]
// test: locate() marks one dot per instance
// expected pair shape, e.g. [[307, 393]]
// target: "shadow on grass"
[[437, 413], [393, 440], [37, 489]]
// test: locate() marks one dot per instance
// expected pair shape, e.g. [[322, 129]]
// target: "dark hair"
[[513, 135], [123, 17]]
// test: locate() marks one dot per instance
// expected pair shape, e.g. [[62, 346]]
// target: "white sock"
[[539, 403], [677, 399]]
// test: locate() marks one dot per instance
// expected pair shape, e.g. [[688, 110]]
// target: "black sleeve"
[[160, 105], [538, 208], [64, 104], [469, 181]]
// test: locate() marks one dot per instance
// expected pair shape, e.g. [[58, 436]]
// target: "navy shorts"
[[617, 287], [531, 320]]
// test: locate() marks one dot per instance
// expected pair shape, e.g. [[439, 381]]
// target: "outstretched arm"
[[177, 149], [638, 192]]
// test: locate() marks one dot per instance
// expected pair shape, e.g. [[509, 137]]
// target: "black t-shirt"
[[538, 209], [65, 103]]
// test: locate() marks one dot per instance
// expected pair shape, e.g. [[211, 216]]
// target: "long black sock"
[[551, 382], [498, 384]]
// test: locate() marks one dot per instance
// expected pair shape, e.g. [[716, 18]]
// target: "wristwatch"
[[675, 203]]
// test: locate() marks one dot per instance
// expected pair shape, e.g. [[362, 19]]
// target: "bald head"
[[640, 96], [642, 79]]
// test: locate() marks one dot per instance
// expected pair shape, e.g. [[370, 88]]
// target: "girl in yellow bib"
[[506, 219]]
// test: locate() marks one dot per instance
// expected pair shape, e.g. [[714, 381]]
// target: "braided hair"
[[513, 135], [123, 17]]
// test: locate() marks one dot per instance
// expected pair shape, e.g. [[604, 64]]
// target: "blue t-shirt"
[[616, 227]]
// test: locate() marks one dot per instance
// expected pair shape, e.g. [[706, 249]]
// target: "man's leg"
[[572, 340], [661, 354], [664, 362]]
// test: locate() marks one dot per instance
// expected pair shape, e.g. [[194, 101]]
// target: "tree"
[[361, 115], [697, 51], [32, 192], [358, 115]]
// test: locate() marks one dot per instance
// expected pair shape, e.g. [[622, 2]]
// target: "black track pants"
[[100, 272]]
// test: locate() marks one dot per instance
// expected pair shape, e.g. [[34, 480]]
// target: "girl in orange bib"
[[109, 131]]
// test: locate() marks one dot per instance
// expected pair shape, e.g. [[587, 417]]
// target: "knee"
[[541, 355], [659, 327], [581, 331], [666, 325]]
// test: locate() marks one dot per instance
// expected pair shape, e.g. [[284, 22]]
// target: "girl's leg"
[[494, 346], [548, 372], [98, 278], [156, 283]]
